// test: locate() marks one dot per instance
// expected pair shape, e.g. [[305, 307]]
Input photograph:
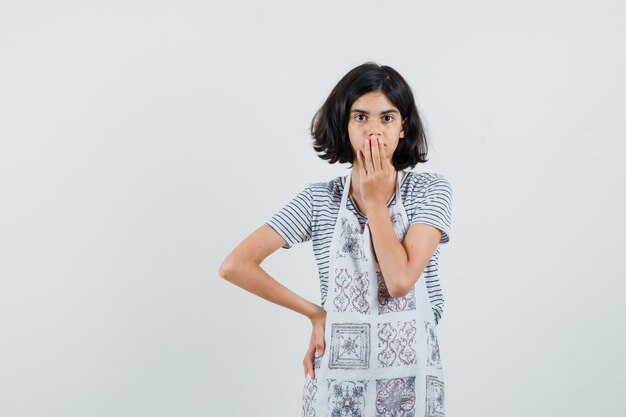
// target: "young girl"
[[376, 234]]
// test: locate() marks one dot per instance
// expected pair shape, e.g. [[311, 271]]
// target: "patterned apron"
[[381, 355]]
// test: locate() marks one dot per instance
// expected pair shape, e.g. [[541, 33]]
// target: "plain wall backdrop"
[[140, 141]]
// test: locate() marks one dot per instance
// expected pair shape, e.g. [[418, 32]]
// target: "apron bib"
[[381, 355]]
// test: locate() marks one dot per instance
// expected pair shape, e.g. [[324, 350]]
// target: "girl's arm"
[[401, 263], [242, 267]]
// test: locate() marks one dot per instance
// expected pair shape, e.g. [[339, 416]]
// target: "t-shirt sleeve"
[[294, 221], [434, 206]]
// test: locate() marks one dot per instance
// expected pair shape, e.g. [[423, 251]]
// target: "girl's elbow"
[[399, 294], [399, 290], [233, 266], [226, 269], [229, 268]]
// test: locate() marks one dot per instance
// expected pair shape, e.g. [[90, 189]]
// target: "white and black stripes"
[[311, 215]]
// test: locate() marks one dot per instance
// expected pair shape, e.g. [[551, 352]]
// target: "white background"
[[141, 141]]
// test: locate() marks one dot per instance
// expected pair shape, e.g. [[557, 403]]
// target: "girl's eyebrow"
[[382, 112]]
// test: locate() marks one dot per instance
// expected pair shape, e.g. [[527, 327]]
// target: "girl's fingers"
[[316, 349], [359, 154], [368, 156], [376, 154], [309, 368], [308, 361], [311, 363], [384, 165]]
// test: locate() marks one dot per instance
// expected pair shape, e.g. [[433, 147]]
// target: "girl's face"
[[371, 116]]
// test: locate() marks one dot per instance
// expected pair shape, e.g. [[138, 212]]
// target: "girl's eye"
[[390, 117], [357, 117]]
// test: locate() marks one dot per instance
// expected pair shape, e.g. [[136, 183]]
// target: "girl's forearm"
[[252, 278], [390, 253]]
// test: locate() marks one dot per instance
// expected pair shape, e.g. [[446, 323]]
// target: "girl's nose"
[[374, 128], [374, 132]]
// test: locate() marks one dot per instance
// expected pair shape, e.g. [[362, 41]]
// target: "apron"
[[381, 355]]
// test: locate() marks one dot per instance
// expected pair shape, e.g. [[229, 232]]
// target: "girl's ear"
[[403, 127]]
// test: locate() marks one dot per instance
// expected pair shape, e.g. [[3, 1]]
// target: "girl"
[[376, 234]]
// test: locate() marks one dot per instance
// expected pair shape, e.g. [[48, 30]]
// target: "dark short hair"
[[329, 127]]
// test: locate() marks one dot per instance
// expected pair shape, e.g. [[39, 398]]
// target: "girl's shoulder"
[[420, 185], [426, 185], [327, 189], [424, 178]]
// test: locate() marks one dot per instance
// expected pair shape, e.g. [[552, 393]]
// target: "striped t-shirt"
[[312, 214]]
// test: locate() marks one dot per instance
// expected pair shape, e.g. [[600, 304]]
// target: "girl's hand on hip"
[[316, 345], [376, 172]]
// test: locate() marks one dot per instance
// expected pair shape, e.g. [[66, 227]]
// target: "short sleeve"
[[434, 206], [294, 221]]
